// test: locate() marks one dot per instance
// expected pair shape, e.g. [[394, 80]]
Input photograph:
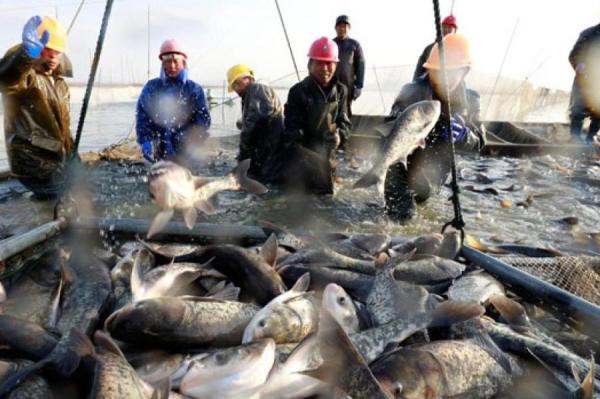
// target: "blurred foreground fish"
[[174, 187]]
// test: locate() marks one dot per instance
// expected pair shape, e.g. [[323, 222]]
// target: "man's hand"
[[33, 44], [459, 130], [356, 93]]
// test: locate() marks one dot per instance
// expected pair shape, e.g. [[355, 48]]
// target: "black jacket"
[[419, 70], [584, 95], [351, 68], [262, 127]]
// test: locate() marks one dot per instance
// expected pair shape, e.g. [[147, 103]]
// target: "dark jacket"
[[428, 168], [168, 111], [351, 68], [585, 96], [420, 70], [313, 118], [36, 115], [262, 127]]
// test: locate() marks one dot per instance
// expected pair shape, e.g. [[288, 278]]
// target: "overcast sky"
[[219, 33]]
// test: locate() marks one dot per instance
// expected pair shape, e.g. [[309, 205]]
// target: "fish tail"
[[246, 183]]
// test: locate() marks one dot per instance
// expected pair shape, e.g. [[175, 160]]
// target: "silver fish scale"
[[116, 379], [207, 319]]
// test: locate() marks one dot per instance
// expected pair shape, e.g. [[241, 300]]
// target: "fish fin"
[[136, 280], [586, 388], [205, 206], [162, 389], [55, 310], [368, 180], [485, 342], [300, 358], [269, 250], [159, 222], [227, 292], [201, 181], [189, 216], [171, 282], [246, 183], [451, 312], [302, 284], [512, 312], [78, 347], [104, 341], [475, 243]]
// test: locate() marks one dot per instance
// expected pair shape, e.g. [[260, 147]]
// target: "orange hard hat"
[[456, 50]]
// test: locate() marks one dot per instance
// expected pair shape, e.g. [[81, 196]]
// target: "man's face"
[[448, 29], [173, 64], [240, 86], [51, 58], [322, 71], [342, 30], [453, 76]]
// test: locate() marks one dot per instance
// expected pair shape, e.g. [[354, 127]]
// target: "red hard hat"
[[169, 47], [323, 49], [450, 20]]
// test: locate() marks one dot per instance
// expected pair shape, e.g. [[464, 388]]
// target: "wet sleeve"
[[576, 50], [344, 125], [201, 112], [144, 126], [419, 70], [13, 67], [294, 115], [359, 61], [258, 106]]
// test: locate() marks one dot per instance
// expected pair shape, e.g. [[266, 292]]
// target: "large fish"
[[181, 322], [174, 187], [428, 269], [476, 286], [26, 338], [120, 275], [236, 372], [408, 133], [339, 304]]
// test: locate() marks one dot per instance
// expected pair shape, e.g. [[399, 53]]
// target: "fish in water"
[[407, 134], [236, 372], [475, 287], [173, 187], [339, 304]]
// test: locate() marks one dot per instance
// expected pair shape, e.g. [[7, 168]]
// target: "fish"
[[181, 322], [154, 366], [450, 245], [339, 304], [371, 343], [120, 275], [236, 372], [476, 286], [427, 269], [324, 254], [27, 338], [173, 187], [442, 369], [408, 133], [424, 245]]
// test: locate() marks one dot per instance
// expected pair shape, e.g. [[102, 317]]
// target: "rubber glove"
[[356, 93], [458, 128], [147, 151], [32, 43]]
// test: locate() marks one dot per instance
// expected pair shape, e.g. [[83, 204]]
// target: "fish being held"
[[409, 131], [174, 187]]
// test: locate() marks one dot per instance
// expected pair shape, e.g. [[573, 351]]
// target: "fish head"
[[274, 323], [242, 366], [152, 316], [170, 185], [337, 301], [421, 117]]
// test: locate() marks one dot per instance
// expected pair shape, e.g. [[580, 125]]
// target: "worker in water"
[[262, 124], [35, 97], [429, 168], [316, 119], [351, 67], [172, 117], [585, 94], [448, 27]]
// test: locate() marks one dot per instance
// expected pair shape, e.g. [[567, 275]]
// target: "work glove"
[[168, 143], [147, 151], [32, 43], [459, 130], [580, 68], [356, 93]]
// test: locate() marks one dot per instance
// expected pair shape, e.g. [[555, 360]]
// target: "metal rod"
[[148, 46], [90, 84], [512, 36], [379, 88], [75, 16], [582, 314], [13, 245], [288, 40]]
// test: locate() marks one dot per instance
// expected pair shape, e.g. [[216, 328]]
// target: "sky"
[[220, 33]]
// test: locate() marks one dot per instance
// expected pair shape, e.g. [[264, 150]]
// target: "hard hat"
[[456, 50], [171, 47], [237, 71], [342, 19], [323, 49], [450, 20], [58, 35]]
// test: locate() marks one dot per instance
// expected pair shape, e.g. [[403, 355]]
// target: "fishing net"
[[579, 275]]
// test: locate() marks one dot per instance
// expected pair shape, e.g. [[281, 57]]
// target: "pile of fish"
[[341, 316]]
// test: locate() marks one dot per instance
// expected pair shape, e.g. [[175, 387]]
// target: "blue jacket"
[[168, 110]]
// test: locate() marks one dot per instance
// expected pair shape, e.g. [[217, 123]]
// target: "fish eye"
[[220, 358], [342, 300], [262, 323]]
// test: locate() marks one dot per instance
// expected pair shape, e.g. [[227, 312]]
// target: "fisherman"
[[316, 119], [351, 67], [36, 107], [429, 168], [448, 27], [585, 94], [172, 115], [262, 124]]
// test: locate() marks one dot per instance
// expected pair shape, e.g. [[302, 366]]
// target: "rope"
[[458, 222], [90, 84], [75, 16], [287, 39]]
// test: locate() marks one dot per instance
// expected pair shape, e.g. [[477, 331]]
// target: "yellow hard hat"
[[237, 71], [456, 50], [58, 35]]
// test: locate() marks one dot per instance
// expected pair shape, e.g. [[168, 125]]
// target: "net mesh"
[[579, 275]]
